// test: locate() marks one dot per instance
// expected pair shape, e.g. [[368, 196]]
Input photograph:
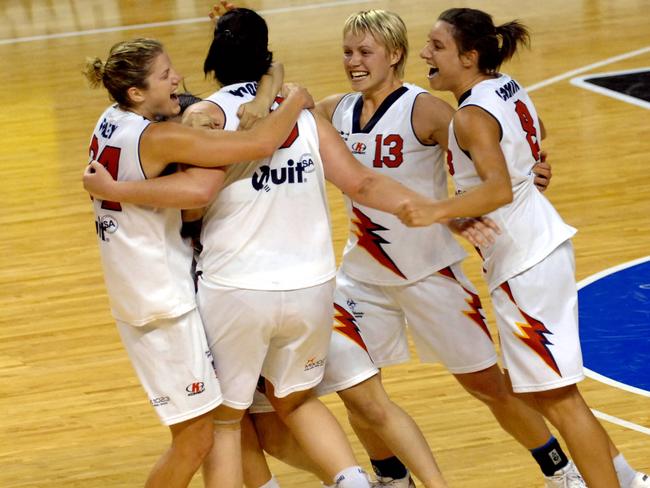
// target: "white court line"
[[621, 422], [606, 272], [585, 82], [604, 379], [195, 20], [616, 384], [589, 67], [589, 280]]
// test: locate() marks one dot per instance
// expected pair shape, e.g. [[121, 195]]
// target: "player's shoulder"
[[431, 117], [326, 107], [425, 101]]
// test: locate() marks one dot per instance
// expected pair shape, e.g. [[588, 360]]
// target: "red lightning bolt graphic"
[[371, 242], [476, 309], [345, 324], [533, 334]]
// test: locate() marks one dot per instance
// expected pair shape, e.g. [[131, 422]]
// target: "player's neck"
[[471, 81], [374, 97]]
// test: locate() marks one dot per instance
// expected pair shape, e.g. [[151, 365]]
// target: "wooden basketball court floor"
[[72, 413]]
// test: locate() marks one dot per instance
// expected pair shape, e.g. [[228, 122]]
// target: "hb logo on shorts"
[[313, 363], [195, 388]]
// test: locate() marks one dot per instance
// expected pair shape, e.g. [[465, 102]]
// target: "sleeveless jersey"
[[380, 249], [530, 226], [146, 263], [269, 228]]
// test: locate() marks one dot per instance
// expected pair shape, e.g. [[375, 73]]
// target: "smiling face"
[[159, 98], [367, 63], [447, 67]]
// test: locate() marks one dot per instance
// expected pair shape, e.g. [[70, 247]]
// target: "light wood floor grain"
[[72, 413]]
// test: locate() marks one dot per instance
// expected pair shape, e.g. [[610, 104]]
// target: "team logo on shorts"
[[160, 401], [352, 305], [314, 363], [195, 388]]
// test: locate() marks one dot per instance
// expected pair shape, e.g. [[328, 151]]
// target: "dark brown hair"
[[474, 30]]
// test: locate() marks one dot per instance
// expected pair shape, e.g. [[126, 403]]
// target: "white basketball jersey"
[[269, 228], [380, 249], [530, 226], [146, 263]]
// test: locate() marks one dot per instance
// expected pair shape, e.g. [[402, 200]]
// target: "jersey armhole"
[[415, 135], [490, 114], [144, 174]]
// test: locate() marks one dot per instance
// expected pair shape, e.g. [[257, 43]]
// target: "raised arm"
[[267, 89], [167, 142]]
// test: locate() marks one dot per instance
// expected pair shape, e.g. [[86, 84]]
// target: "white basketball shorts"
[[442, 311], [281, 335], [174, 364], [537, 317]]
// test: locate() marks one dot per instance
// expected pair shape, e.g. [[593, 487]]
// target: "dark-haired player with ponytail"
[[494, 141]]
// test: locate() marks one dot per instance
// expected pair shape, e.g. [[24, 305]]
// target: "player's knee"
[[195, 443], [487, 386], [560, 404], [285, 406], [489, 394], [367, 412], [272, 434]]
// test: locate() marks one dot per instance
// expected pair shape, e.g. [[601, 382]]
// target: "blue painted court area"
[[615, 323]]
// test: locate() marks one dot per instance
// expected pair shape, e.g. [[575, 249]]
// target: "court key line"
[[194, 20]]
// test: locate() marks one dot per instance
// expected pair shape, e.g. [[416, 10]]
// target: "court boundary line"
[[168, 23], [589, 67], [621, 422]]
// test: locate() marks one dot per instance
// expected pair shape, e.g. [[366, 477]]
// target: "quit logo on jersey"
[[293, 172]]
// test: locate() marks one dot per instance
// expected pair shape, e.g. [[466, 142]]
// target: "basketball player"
[[145, 262], [267, 265], [494, 140], [392, 275]]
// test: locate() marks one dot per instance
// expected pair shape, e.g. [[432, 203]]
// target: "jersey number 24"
[[110, 158]]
